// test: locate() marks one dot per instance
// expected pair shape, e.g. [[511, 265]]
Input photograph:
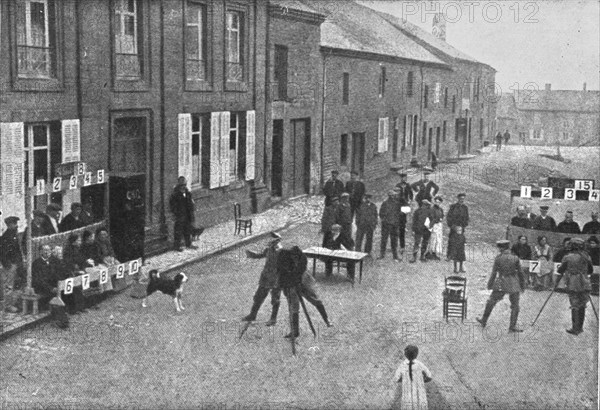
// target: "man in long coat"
[[366, 222], [356, 190], [389, 213], [405, 196], [506, 277], [458, 215], [333, 187], [182, 207]]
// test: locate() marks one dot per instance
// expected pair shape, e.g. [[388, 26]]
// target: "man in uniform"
[[576, 266], [458, 215], [344, 214], [11, 258], [425, 188], [389, 213], [366, 222], [544, 222], [333, 187], [421, 231], [356, 190], [268, 281], [592, 227], [506, 277], [568, 225], [521, 220]]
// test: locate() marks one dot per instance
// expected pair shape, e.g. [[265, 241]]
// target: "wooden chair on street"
[[241, 223], [455, 297]]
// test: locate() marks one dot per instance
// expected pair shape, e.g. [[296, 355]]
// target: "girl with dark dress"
[[456, 248]]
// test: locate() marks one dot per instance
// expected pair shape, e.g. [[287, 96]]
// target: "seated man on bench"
[[336, 239]]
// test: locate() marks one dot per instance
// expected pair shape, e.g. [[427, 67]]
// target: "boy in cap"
[[366, 222], [506, 277], [544, 222], [389, 213], [333, 187]]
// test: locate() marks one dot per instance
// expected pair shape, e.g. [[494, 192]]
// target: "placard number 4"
[[595, 195]]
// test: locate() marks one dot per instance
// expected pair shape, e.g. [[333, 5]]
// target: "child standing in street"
[[456, 251], [413, 375]]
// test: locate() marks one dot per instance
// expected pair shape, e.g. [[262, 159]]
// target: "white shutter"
[[542, 134], [71, 151], [224, 158], [386, 134], [12, 162], [215, 137], [531, 133], [250, 143], [185, 146], [380, 136]]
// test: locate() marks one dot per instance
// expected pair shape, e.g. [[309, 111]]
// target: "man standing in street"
[[389, 213], [182, 207], [344, 215], [576, 266], [544, 222], [506, 277], [592, 227], [498, 141], [458, 215], [568, 225], [356, 190], [421, 228], [269, 280], [333, 187], [11, 259], [366, 222], [506, 137], [425, 188], [405, 196]]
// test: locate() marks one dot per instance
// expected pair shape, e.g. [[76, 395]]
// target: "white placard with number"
[[69, 286], [56, 184], [594, 195], [103, 276], [584, 184], [87, 179], [134, 267], [569, 194], [120, 271], [40, 187], [73, 182], [85, 281], [100, 175], [81, 168], [525, 191], [556, 266], [547, 193], [534, 266]]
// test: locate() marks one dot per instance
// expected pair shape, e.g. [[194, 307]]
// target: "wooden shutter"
[[386, 133], [185, 146], [224, 158], [12, 169], [380, 136], [71, 147], [215, 138], [250, 145]]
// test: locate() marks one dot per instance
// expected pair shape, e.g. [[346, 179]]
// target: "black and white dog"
[[172, 287]]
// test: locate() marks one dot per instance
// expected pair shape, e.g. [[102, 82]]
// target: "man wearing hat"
[[424, 187], [458, 215], [576, 267], [389, 213], [592, 227], [329, 214], [366, 222], [333, 187], [337, 239], [182, 207], [53, 219], [344, 214], [356, 190], [11, 258], [39, 227], [72, 220], [544, 222], [421, 227], [405, 196], [506, 277], [269, 280], [568, 225], [521, 220]]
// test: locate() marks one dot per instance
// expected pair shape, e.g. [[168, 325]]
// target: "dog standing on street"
[[172, 287]]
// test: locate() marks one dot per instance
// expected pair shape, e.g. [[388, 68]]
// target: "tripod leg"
[[312, 328], [292, 330], [543, 306]]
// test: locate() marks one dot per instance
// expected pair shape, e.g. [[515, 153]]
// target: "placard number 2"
[[546, 193]]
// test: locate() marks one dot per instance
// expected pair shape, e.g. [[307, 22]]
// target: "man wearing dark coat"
[[329, 214], [421, 230], [182, 207], [405, 196], [336, 239], [592, 227], [52, 219], [425, 188], [544, 222], [356, 190], [458, 215], [506, 277], [11, 258], [498, 141], [366, 222], [521, 220], [344, 215], [389, 213], [45, 276], [506, 137], [568, 225], [72, 220], [333, 187]]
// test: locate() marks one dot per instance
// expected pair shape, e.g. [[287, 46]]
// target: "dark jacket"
[[591, 227], [544, 224], [405, 193], [329, 216], [523, 251], [10, 252], [342, 239], [343, 214], [419, 218], [269, 277], [291, 264], [568, 227], [74, 259], [389, 212], [49, 226], [182, 205], [506, 274], [331, 189], [366, 216], [356, 189], [437, 214], [89, 251], [576, 267], [44, 277], [424, 190], [69, 223], [103, 250], [521, 222], [458, 215]]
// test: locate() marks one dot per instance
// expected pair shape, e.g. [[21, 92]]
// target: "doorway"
[[461, 134], [358, 152], [277, 159]]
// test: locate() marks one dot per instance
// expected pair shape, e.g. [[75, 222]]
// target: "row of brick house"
[[252, 101]]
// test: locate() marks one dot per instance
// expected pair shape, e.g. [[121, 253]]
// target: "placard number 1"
[[525, 191]]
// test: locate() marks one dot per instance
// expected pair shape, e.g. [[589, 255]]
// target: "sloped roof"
[[559, 100], [292, 5], [506, 108], [351, 26]]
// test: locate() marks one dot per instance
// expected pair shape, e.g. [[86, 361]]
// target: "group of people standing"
[[544, 222]]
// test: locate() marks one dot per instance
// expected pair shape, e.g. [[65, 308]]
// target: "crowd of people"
[[544, 222]]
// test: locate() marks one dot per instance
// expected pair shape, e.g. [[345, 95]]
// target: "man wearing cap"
[[544, 222], [521, 220], [344, 214], [269, 280], [182, 207], [506, 277], [337, 239], [592, 227], [458, 215], [52, 218], [329, 214], [576, 267], [366, 222], [87, 213], [356, 190], [421, 226], [72, 220], [333, 187], [424, 187], [568, 225], [11, 258], [389, 213], [405, 196]]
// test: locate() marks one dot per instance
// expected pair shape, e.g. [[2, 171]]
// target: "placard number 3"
[[569, 194]]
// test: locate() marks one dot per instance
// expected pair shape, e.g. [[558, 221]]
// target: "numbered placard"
[[120, 271], [525, 191], [547, 193], [100, 176], [87, 179], [594, 195], [40, 187], [56, 184], [134, 267], [69, 286], [534, 266], [569, 194], [556, 266], [103, 276], [584, 184], [81, 168], [73, 182], [85, 281]]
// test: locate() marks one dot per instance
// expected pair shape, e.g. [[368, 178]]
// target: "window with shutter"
[[224, 145], [71, 141], [250, 145], [185, 146], [215, 138], [386, 133], [12, 186]]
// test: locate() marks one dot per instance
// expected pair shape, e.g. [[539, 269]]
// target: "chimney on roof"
[[439, 26], [548, 87], [584, 86]]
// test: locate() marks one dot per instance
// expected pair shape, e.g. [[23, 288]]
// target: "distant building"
[[551, 117]]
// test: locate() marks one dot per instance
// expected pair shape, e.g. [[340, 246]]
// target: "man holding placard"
[[544, 222], [568, 225]]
